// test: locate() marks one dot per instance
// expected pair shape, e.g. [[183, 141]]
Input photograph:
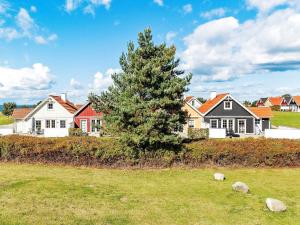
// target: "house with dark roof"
[[223, 111], [294, 104], [51, 118]]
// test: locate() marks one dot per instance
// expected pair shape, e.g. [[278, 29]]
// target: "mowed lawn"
[[5, 120], [38, 194], [290, 119]]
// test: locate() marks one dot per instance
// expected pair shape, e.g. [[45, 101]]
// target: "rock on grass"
[[275, 205], [240, 187]]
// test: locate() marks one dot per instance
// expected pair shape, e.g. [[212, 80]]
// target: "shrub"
[[196, 133], [275, 108], [76, 132], [105, 151]]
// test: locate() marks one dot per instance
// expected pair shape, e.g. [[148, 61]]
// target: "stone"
[[275, 205], [241, 187], [219, 176]]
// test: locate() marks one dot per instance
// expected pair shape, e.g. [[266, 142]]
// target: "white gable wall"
[[43, 114]]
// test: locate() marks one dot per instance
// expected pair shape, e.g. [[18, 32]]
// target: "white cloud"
[[224, 49], [214, 13], [16, 82], [159, 2], [75, 84], [170, 36], [188, 8], [8, 33], [266, 6], [42, 41], [4, 6], [89, 5], [24, 21], [103, 81], [52, 37], [33, 9]]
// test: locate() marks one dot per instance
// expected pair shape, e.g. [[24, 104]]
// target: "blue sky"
[[250, 48]]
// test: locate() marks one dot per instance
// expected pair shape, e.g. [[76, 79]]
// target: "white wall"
[[283, 133], [217, 133], [56, 132], [6, 130]]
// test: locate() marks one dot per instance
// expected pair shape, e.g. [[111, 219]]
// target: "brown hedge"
[[91, 151]]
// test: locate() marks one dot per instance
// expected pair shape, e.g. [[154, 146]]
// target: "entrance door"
[[228, 124], [83, 125], [242, 126]]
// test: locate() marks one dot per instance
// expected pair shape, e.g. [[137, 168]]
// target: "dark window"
[[50, 105], [52, 123], [38, 125], [191, 123], [62, 124], [47, 123], [227, 105]]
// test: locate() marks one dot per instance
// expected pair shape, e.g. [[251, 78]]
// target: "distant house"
[[18, 115], [194, 117], [51, 118], [294, 104], [285, 104], [261, 102], [224, 111], [88, 120]]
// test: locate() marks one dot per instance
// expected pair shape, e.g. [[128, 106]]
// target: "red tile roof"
[[297, 99], [261, 112], [21, 113], [209, 104], [275, 100], [69, 106]]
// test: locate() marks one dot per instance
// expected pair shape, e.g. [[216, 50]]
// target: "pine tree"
[[143, 107]]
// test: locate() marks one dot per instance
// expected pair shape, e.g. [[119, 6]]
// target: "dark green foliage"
[[198, 133], [144, 105], [247, 103], [254, 103], [202, 100], [8, 108]]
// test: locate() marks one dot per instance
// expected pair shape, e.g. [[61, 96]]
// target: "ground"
[[290, 119], [38, 194], [4, 120]]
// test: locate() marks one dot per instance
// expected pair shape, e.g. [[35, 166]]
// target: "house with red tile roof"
[[51, 118], [223, 111]]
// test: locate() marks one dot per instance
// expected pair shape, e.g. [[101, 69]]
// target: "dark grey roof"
[[288, 99], [264, 99]]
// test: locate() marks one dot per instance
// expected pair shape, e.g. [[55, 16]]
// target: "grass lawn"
[[38, 194], [4, 120], [290, 119]]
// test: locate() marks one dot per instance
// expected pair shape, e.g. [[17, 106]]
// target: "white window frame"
[[36, 128], [97, 122], [191, 123], [238, 121], [210, 123], [86, 125], [226, 101], [227, 123]]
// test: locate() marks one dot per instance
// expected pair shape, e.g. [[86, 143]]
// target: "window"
[[228, 105], [62, 124], [38, 125], [47, 123], [191, 123], [257, 121], [213, 123], [193, 103], [50, 105], [52, 123], [95, 125]]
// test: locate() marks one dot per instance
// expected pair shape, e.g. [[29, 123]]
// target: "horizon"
[[248, 48]]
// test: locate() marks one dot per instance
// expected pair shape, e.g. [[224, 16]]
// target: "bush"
[[76, 132], [275, 108], [196, 133], [92, 151]]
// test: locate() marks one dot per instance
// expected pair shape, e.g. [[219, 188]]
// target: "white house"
[[51, 118]]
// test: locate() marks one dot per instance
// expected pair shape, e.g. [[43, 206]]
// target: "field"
[[37, 194], [289, 119], [4, 120]]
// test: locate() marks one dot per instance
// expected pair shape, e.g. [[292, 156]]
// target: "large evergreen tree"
[[143, 107]]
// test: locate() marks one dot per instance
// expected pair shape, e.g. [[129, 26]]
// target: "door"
[[228, 124], [241, 126], [83, 125]]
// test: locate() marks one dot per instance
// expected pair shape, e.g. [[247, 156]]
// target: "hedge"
[[100, 152]]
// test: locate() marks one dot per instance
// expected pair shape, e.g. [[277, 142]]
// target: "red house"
[[88, 120]]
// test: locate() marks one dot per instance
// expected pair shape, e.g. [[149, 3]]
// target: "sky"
[[249, 48]]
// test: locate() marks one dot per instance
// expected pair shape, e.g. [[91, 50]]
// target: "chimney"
[[213, 94], [64, 97]]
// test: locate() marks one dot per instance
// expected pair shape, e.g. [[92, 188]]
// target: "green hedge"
[[91, 151]]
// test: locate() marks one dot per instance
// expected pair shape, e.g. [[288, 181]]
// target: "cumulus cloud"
[[89, 6], [16, 82], [159, 2], [75, 84], [266, 6], [188, 8], [33, 9], [224, 49], [214, 13], [170, 36], [103, 81], [24, 21], [42, 40]]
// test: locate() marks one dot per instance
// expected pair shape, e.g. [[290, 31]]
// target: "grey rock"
[[219, 176], [275, 205], [241, 187]]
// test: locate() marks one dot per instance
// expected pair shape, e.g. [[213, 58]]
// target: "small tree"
[[8, 108], [143, 107], [202, 100]]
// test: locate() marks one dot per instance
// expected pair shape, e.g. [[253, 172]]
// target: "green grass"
[[5, 120], [290, 119], [37, 194]]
